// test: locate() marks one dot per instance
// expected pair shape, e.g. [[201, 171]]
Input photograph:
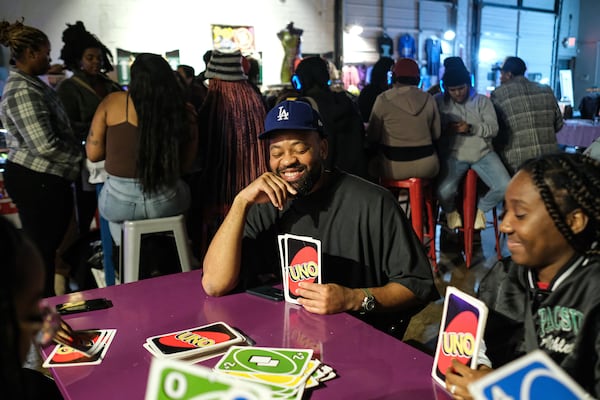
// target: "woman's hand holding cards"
[[459, 376]]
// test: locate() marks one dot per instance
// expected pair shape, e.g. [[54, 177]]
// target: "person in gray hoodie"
[[469, 124], [403, 127]]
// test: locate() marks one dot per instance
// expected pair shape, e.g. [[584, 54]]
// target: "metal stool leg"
[[469, 206], [132, 240]]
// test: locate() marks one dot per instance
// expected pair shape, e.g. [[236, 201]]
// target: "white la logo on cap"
[[283, 114]]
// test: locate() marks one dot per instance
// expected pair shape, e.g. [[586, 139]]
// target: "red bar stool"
[[419, 193], [469, 210]]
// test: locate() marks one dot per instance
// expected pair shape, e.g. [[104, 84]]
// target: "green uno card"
[[265, 360], [174, 380]]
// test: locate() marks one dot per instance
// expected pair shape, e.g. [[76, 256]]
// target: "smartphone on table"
[[83, 305], [267, 292]]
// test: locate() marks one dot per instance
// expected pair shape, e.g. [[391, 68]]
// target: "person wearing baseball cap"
[[528, 114], [371, 259], [403, 127]]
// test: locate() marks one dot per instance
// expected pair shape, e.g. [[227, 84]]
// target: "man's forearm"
[[223, 258], [393, 297]]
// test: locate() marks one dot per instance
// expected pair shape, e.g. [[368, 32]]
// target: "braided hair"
[[567, 182], [11, 244], [76, 40], [18, 38]]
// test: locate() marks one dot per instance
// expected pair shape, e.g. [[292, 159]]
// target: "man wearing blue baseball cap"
[[372, 262]]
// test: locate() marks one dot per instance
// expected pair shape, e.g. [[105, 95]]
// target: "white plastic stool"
[[132, 240]]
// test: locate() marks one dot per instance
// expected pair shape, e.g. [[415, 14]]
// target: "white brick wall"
[[159, 26]]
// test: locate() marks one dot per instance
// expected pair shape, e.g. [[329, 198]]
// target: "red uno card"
[[194, 341], [461, 332], [66, 356], [301, 262]]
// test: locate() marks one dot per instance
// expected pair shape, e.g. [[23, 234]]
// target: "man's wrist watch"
[[368, 303]]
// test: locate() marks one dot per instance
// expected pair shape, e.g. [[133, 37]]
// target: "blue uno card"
[[533, 376]]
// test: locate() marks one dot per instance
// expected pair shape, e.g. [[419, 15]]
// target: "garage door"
[[510, 31]]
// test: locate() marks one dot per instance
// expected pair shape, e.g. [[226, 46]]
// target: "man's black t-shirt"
[[366, 240]]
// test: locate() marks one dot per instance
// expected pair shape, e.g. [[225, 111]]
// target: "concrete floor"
[[424, 327]]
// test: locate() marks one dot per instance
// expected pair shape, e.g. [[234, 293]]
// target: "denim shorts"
[[122, 199]]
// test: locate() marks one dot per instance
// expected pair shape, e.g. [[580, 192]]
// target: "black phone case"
[[87, 305], [267, 292]]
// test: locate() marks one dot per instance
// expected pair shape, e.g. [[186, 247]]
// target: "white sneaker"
[[453, 220], [480, 222]]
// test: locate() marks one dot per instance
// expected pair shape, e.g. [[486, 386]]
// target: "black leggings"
[[45, 204]]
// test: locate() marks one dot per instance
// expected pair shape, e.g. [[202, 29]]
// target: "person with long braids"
[[545, 296], [44, 155], [148, 138], [232, 116]]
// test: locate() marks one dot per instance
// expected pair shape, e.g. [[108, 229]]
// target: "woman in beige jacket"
[[404, 126]]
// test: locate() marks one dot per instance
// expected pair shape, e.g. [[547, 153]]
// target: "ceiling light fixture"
[[354, 29]]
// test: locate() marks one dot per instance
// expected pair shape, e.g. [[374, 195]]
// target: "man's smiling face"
[[297, 157]]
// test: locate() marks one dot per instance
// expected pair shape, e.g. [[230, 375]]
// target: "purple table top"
[[369, 363], [578, 132]]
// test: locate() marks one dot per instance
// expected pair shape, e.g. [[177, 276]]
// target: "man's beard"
[[305, 184]]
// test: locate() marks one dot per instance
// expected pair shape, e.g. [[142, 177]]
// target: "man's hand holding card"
[[302, 280], [300, 263], [328, 298]]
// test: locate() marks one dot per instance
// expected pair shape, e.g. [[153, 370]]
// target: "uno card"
[[282, 257], [461, 332], [278, 380], [87, 342], [265, 360], [302, 263], [195, 341], [191, 359], [172, 379], [67, 356], [533, 376]]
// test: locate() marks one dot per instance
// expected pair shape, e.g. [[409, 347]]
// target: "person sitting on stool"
[[468, 125]]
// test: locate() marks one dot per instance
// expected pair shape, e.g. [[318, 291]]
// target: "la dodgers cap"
[[292, 115]]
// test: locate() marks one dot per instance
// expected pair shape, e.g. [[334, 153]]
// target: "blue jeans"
[[122, 199], [490, 170]]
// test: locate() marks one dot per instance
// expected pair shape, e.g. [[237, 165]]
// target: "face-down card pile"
[[195, 344], [85, 347]]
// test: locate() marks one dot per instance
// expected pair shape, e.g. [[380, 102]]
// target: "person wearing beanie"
[[468, 126], [404, 127], [528, 114], [231, 156], [372, 263], [340, 114]]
